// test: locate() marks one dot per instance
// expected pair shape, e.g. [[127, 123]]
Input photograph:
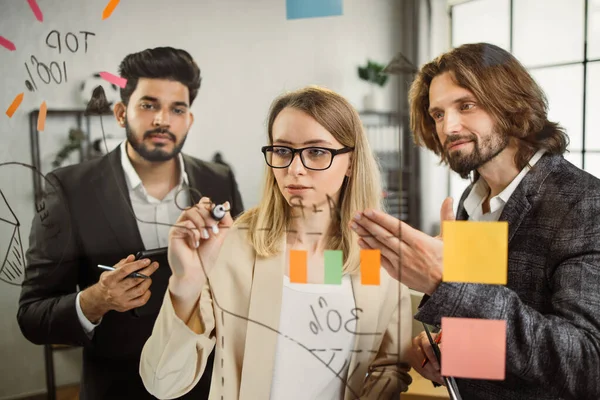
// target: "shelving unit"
[[84, 151], [389, 144]]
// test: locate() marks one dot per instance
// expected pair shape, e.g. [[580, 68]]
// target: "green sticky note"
[[333, 267]]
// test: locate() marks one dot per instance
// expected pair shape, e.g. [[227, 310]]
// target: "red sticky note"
[[117, 80], [298, 272], [36, 10], [110, 7], [370, 263], [14, 105], [41, 123], [474, 348], [4, 42]]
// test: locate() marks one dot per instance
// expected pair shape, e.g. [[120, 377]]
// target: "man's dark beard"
[[158, 154], [463, 164]]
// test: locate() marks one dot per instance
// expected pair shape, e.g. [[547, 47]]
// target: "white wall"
[[248, 53]]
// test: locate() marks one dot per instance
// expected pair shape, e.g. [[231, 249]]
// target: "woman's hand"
[[194, 244]]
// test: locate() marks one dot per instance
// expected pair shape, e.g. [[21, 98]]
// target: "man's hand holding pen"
[[116, 290], [423, 359]]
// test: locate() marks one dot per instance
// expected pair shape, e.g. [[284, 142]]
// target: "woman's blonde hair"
[[269, 221]]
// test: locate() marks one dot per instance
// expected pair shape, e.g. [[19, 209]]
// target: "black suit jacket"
[[86, 219]]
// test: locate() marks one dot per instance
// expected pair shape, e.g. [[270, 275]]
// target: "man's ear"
[[119, 111], [191, 120]]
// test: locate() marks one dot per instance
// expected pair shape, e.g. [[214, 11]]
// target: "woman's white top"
[[315, 342]]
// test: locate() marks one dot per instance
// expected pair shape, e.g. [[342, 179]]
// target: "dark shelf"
[[65, 112], [81, 119], [61, 347]]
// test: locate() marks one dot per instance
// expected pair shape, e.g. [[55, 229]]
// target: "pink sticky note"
[[4, 42], [473, 348], [36, 10], [117, 80]]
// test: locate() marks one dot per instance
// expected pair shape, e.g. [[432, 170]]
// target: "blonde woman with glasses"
[[231, 289]]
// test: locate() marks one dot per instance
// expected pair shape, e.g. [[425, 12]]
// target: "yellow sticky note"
[[475, 252]]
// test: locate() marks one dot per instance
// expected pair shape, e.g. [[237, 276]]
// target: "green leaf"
[[373, 73]]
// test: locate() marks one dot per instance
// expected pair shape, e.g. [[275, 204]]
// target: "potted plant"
[[76, 138], [373, 74]]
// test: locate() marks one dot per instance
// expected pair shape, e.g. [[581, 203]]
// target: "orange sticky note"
[[475, 252], [370, 264], [41, 123], [474, 348], [298, 272], [110, 7], [15, 104]]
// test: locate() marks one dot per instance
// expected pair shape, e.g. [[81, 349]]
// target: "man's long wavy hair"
[[269, 221], [503, 88]]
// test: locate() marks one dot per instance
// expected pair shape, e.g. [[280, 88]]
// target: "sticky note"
[[334, 261], [298, 272], [4, 42], [36, 10], [117, 80], [110, 7], [473, 348], [15, 104], [475, 252], [370, 263], [41, 122], [297, 9]]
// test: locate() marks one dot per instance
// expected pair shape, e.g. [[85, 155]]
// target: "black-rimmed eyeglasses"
[[314, 158]]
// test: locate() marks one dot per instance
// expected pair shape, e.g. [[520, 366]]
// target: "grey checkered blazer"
[[552, 298]]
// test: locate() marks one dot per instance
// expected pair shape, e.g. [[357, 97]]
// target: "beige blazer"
[[240, 311]]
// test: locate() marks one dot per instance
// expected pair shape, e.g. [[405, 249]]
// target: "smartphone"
[[160, 281], [153, 254]]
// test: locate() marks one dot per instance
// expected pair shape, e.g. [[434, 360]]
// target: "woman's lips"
[[296, 189]]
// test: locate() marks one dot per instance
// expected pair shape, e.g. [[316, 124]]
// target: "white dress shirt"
[[149, 211], [474, 201]]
